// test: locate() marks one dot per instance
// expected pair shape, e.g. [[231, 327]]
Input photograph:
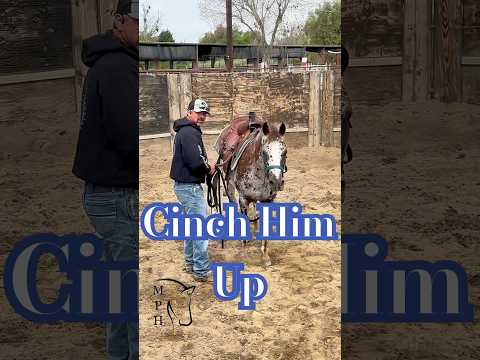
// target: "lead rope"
[[214, 192]]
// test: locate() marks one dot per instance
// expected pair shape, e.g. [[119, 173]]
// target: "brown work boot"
[[208, 277]]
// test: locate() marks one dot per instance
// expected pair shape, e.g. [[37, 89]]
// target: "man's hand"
[[212, 170]]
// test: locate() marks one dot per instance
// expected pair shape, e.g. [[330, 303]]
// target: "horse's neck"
[[257, 159], [257, 143], [257, 148]]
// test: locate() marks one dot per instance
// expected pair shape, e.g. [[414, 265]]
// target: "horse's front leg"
[[265, 257], [244, 210], [230, 189]]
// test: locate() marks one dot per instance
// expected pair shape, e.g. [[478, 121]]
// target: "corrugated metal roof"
[[189, 52]]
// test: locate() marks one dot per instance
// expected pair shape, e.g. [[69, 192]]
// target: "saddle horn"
[[252, 121]]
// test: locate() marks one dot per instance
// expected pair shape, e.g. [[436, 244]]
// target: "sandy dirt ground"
[[414, 180], [39, 130], [430, 151], [300, 316]]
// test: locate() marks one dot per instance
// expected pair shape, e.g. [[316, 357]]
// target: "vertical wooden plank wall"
[[35, 38], [179, 95], [173, 87], [77, 52], [471, 51], [328, 109], [88, 18], [106, 10], [320, 105], [423, 50], [185, 88], [321, 114], [433, 58], [408, 62], [314, 110], [416, 51], [448, 50]]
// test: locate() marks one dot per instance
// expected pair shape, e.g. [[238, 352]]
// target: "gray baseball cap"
[[198, 105], [128, 7]]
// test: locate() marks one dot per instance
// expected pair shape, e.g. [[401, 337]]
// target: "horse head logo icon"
[[177, 300]]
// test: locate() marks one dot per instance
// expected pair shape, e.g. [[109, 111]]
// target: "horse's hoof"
[[266, 261]]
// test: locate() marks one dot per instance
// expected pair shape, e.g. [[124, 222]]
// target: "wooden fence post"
[[173, 103], [185, 88], [179, 95], [416, 51], [321, 108], [80, 70], [314, 110], [423, 50], [448, 50], [328, 109], [408, 61]]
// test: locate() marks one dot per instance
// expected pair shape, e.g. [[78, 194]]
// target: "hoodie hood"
[[178, 124], [99, 45]]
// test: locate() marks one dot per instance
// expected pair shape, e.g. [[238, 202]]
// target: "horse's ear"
[[265, 128], [189, 291], [283, 129]]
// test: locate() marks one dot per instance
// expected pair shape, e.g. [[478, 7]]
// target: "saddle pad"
[[241, 149]]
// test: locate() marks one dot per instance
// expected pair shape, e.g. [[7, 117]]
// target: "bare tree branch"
[[282, 7], [150, 24], [264, 17]]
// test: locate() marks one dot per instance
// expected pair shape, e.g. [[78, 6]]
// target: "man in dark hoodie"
[[189, 169], [346, 113], [107, 152]]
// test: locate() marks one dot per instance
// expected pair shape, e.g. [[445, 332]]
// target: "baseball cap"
[[198, 105], [128, 7]]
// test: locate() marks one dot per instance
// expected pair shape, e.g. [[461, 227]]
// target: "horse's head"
[[274, 153], [177, 297]]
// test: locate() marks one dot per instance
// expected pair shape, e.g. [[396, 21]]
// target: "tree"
[[294, 35], [166, 36], [150, 26], [262, 17], [219, 36], [323, 26]]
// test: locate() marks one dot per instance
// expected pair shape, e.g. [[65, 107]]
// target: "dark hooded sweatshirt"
[[107, 149], [189, 163]]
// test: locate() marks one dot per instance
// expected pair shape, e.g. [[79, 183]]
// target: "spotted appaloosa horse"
[[258, 175]]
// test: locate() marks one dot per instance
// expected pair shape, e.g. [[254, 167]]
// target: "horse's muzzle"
[[276, 180]]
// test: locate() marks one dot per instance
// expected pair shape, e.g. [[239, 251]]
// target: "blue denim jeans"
[[190, 196], [114, 215]]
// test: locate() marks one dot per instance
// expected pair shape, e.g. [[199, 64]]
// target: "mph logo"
[[248, 287]]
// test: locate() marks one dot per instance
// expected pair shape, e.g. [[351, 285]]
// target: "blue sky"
[[182, 18]]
